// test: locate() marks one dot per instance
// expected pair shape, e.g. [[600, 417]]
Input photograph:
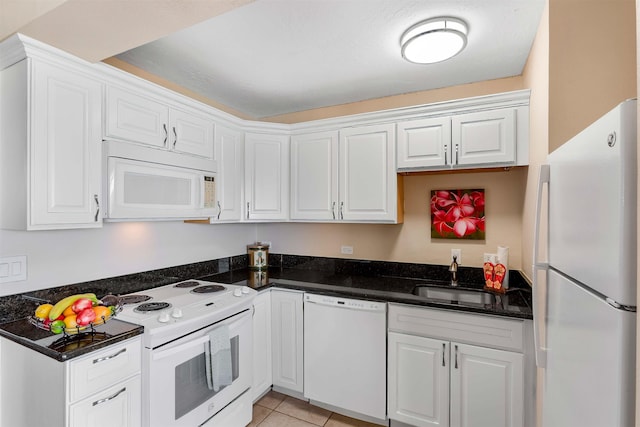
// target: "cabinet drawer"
[[119, 405], [482, 330], [102, 368]]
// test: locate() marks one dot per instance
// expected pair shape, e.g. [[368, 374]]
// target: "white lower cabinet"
[[287, 334], [434, 381], [262, 377], [102, 388]]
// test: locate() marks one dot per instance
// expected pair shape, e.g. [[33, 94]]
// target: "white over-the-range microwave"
[[144, 183]]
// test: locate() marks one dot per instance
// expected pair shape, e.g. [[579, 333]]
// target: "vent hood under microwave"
[[144, 183]]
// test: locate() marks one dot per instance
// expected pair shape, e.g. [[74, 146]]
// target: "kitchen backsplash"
[[22, 305]]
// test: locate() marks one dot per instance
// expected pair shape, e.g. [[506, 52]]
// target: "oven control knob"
[[177, 313], [237, 292], [245, 290], [164, 317]]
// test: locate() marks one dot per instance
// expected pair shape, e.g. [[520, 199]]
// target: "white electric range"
[[182, 322]]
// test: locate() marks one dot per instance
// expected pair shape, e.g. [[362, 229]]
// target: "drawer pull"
[[444, 350], [102, 359], [106, 399]]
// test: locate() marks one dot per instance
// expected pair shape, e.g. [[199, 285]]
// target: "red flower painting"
[[457, 214]]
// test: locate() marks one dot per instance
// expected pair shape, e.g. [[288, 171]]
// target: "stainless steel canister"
[[258, 256]]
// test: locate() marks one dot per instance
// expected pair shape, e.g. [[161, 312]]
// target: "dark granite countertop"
[[373, 280], [45, 342], [515, 303]]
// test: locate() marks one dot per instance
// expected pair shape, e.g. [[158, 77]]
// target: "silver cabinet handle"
[[106, 399], [219, 209], [446, 148], [456, 154], [341, 210], [95, 197], [247, 210], [105, 358], [175, 137], [456, 358], [166, 134], [333, 210], [444, 350]]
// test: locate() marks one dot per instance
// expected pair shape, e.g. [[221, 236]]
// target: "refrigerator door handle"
[[538, 317]]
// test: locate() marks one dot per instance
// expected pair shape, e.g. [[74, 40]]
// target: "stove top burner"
[[134, 299], [207, 289], [151, 306], [83, 339], [187, 284]]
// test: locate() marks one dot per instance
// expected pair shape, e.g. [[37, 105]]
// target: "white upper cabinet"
[[230, 158], [138, 118], [424, 143], [51, 171], [482, 132], [487, 137], [266, 177], [344, 176], [314, 176], [480, 139], [368, 181]]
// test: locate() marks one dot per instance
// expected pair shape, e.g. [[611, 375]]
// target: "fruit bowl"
[[112, 306]]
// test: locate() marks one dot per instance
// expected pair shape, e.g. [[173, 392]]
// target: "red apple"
[[81, 304], [86, 316]]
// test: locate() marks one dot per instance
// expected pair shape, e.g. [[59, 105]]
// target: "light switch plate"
[[13, 268]]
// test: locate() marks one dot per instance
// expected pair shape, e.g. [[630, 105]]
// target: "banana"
[[61, 305]]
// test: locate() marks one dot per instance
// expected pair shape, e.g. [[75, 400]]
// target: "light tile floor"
[[278, 410]]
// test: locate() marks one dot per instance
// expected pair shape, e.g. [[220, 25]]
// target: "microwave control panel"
[[209, 192]]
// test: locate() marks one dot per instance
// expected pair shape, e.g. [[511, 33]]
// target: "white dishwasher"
[[345, 355]]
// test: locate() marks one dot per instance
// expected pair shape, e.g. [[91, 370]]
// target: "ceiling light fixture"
[[434, 40]]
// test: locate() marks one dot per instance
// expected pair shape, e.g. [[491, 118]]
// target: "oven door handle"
[[179, 349], [233, 323]]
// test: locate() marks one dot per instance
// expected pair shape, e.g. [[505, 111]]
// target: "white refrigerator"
[[585, 329]]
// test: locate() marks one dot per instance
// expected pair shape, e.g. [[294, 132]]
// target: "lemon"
[[42, 312]]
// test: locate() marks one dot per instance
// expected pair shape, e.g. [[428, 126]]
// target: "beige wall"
[[411, 241], [592, 62]]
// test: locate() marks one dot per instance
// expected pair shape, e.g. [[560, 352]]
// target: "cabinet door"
[[133, 117], [65, 149], [487, 387], [424, 143], [191, 134], [287, 334], [367, 174], [262, 378], [314, 176], [266, 176], [484, 138], [230, 158], [418, 374], [116, 406]]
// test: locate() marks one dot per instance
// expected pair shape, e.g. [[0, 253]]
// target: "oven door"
[[177, 384]]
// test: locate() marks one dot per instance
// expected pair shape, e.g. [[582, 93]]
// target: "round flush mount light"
[[434, 40]]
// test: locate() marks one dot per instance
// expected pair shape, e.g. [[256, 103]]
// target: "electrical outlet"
[[487, 257], [347, 250], [458, 254]]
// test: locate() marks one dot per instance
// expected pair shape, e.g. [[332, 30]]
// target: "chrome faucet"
[[453, 268]]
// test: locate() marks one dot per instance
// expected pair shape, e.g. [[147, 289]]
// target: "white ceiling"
[[272, 57]]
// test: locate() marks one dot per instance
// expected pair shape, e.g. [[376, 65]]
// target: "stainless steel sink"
[[453, 294]]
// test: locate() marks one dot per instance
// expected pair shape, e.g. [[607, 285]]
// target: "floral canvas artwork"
[[457, 214]]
